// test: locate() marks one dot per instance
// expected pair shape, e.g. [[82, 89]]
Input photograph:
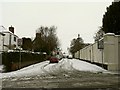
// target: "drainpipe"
[[102, 58], [10, 42], [3, 42]]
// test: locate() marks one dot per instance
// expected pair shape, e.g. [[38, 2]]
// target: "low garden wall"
[[16, 60]]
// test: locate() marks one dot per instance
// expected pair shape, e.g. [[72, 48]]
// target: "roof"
[[9, 32], [2, 33]]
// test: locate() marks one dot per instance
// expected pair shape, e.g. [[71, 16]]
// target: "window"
[[15, 39]]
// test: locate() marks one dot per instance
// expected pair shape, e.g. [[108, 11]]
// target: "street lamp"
[[19, 60], [101, 47]]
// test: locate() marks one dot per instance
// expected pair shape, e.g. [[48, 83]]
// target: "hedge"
[[11, 60]]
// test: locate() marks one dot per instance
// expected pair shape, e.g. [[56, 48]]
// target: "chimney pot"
[[11, 29]]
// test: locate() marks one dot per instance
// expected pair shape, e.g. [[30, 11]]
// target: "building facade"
[[1, 41], [9, 41]]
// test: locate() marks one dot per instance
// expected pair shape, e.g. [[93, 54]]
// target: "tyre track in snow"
[[64, 66], [51, 69], [42, 68]]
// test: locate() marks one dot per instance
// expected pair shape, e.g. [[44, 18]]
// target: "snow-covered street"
[[47, 68], [75, 73]]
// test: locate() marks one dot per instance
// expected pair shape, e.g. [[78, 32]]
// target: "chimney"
[[11, 29], [38, 34]]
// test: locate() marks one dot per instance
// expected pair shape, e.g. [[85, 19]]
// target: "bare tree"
[[46, 39]]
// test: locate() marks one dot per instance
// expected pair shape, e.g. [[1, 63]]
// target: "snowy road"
[[47, 68], [74, 72]]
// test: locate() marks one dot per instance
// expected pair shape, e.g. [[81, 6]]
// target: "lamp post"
[[20, 44], [20, 58], [101, 47]]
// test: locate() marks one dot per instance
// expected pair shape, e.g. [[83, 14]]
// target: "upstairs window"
[[15, 39]]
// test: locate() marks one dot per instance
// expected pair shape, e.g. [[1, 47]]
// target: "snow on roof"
[[2, 34], [9, 33], [109, 34]]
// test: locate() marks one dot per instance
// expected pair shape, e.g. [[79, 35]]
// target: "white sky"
[[72, 17]]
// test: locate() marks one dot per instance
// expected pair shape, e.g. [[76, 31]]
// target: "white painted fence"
[[105, 51]]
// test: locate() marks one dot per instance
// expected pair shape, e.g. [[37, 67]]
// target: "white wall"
[[7, 40], [91, 53], [111, 51], [1, 42], [109, 55]]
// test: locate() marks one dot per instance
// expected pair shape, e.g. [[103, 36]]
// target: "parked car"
[[53, 59]]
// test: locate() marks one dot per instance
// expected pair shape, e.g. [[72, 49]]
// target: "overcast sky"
[[71, 18]]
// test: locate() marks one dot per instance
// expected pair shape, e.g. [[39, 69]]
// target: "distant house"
[[26, 44], [10, 39]]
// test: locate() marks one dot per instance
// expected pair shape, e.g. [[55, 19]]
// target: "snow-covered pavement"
[[47, 68]]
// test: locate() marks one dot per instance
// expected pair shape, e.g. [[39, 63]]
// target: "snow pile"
[[1, 68], [85, 66], [46, 68], [35, 69], [63, 65]]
